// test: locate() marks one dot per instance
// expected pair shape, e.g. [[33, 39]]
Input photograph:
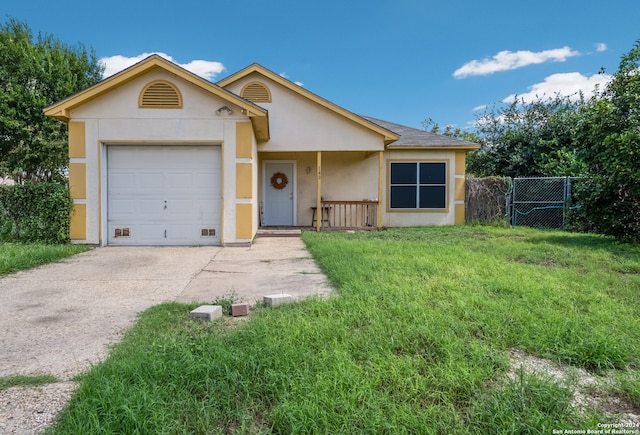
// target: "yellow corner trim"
[[459, 214], [78, 180], [244, 180], [459, 190], [244, 133], [461, 162], [77, 140], [244, 221], [78, 226]]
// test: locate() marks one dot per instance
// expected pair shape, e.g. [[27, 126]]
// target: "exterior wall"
[[453, 214], [293, 117], [116, 118]]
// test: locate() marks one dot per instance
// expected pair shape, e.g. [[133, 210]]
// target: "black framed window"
[[418, 185]]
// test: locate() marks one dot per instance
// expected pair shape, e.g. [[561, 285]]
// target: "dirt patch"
[[590, 391]]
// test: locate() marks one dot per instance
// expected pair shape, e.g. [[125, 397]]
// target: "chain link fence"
[[539, 202]]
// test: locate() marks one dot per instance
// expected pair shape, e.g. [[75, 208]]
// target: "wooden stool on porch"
[[324, 216]]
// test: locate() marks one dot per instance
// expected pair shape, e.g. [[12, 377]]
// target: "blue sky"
[[399, 60]]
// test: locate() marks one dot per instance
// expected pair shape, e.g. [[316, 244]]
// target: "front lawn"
[[418, 339], [21, 256]]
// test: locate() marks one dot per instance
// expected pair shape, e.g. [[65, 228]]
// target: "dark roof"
[[412, 137]]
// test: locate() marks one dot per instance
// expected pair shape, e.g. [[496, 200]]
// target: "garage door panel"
[[164, 195]]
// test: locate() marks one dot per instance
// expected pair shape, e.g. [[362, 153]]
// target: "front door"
[[279, 193]]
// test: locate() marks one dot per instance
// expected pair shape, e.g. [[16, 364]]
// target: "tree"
[[527, 139], [608, 135], [35, 73]]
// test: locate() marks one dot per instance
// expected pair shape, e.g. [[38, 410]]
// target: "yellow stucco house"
[[160, 156]]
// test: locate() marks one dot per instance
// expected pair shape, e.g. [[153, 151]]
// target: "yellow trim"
[[78, 224], [459, 210], [244, 180], [419, 210], [380, 186], [388, 135], [461, 162], [244, 134], [62, 110], [78, 180], [459, 190], [244, 221], [77, 140], [319, 190], [222, 216], [157, 104]]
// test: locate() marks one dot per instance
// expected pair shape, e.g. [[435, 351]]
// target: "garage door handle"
[[165, 234], [165, 205]]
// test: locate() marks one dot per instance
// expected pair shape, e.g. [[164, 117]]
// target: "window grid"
[[427, 190]]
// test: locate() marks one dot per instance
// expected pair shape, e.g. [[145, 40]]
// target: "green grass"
[[26, 381], [21, 256], [416, 341]]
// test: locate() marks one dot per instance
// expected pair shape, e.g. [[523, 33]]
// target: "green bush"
[[35, 212]]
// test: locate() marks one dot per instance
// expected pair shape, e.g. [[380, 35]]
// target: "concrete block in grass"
[[279, 299], [207, 312], [239, 309]]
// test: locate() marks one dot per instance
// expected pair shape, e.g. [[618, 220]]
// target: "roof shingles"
[[414, 138]]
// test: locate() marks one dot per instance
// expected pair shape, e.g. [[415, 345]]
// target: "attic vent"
[[256, 93], [160, 94]]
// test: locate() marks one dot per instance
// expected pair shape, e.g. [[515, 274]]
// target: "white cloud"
[[564, 84], [285, 76], [204, 68], [600, 47], [509, 60]]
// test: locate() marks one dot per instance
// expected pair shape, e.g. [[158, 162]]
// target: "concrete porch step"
[[279, 232]]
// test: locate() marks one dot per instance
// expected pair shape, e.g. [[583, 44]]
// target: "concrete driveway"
[[60, 319]]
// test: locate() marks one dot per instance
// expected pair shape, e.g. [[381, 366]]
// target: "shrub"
[[35, 212]]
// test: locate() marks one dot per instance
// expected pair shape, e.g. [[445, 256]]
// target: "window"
[[418, 185]]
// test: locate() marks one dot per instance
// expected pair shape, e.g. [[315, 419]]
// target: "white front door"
[[279, 193]]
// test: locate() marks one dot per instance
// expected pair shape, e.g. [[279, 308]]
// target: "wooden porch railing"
[[349, 214]]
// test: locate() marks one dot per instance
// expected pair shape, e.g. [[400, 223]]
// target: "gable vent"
[[160, 94], [256, 93]]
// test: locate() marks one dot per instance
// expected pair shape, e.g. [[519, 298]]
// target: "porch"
[[321, 190]]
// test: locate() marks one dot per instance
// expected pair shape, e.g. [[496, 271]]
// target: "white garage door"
[[163, 195]]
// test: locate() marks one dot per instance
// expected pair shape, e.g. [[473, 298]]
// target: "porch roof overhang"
[[388, 135], [258, 115]]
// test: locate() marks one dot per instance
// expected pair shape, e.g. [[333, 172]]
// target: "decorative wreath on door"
[[279, 181]]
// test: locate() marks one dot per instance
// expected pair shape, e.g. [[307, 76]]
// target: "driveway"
[[59, 319]]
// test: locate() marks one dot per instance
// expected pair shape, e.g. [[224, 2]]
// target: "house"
[[160, 156]]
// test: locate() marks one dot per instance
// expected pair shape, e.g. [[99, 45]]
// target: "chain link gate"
[[539, 202]]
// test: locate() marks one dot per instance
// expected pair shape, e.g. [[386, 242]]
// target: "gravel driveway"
[[60, 318]]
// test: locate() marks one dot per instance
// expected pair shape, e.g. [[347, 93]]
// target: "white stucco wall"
[[116, 118], [299, 124]]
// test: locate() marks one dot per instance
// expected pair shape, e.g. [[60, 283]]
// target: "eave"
[[62, 110]]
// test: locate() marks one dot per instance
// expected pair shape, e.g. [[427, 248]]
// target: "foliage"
[[35, 73], [608, 133], [527, 139], [416, 340], [449, 130], [21, 256], [35, 212], [486, 199]]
